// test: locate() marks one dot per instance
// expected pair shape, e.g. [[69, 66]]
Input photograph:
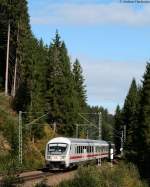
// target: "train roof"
[[76, 140]]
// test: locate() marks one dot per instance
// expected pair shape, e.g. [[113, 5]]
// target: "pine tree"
[[130, 120], [144, 127], [60, 89], [79, 86], [117, 129]]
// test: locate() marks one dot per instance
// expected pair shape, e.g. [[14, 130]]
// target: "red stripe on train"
[[84, 156]]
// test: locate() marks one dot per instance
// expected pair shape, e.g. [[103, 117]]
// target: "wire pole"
[[100, 126], [124, 128], [20, 137], [54, 128], [20, 133], [87, 134], [99, 123], [7, 61], [121, 143], [77, 126]]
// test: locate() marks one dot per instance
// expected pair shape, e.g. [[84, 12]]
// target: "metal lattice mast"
[[100, 126], [20, 133]]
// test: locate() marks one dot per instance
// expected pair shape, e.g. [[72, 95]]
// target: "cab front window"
[[57, 148]]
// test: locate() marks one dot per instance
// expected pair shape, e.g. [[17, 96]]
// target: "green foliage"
[[8, 127], [144, 127], [106, 121], [130, 115], [117, 129], [79, 86], [62, 101], [118, 176]]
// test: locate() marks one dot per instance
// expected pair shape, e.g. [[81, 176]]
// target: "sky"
[[110, 38]]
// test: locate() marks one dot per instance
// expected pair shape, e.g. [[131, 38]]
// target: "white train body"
[[64, 152]]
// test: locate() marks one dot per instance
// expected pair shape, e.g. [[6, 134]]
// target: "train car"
[[62, 153]]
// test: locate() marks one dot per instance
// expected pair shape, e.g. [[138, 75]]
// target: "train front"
[[56, 154]]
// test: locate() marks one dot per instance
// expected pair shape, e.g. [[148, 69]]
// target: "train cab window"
[[57, 148]]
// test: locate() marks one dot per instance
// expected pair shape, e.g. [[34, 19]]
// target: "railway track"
[[33, 176], [29, 176]]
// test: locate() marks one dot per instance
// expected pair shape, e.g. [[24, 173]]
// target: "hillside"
[[33, 152], [7, 115]]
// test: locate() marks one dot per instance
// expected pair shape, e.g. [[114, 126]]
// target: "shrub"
[[121, 175]]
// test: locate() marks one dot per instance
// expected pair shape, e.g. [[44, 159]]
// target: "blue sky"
[[110, 39]]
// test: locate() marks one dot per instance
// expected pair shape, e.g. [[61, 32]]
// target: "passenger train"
[[63, 153]]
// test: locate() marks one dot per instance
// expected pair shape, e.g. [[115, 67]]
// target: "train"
[[64, 153]]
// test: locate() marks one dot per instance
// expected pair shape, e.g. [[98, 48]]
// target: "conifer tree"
[[130, 120], [60, 89], [144, 126], [117, 129], [79, 85]]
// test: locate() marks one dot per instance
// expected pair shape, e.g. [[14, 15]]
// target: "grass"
[[121, 175]]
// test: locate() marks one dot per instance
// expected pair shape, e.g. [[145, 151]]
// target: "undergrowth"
[[121, 175]]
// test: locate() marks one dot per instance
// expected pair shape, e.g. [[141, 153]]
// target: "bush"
[[122, 175]]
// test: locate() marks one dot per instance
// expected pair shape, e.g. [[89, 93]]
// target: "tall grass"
[[122, 175]]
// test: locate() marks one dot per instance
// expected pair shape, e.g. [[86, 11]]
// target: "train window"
[[57, 148], [87, 149]]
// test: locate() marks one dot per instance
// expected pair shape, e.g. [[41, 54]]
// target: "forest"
[[42, 80]]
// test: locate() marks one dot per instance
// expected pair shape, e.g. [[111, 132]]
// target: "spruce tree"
[[130, 120], [144, 126], [79, 86], [117, 129], [60, 89]]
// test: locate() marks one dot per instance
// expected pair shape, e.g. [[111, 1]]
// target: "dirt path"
[[51, 180]]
